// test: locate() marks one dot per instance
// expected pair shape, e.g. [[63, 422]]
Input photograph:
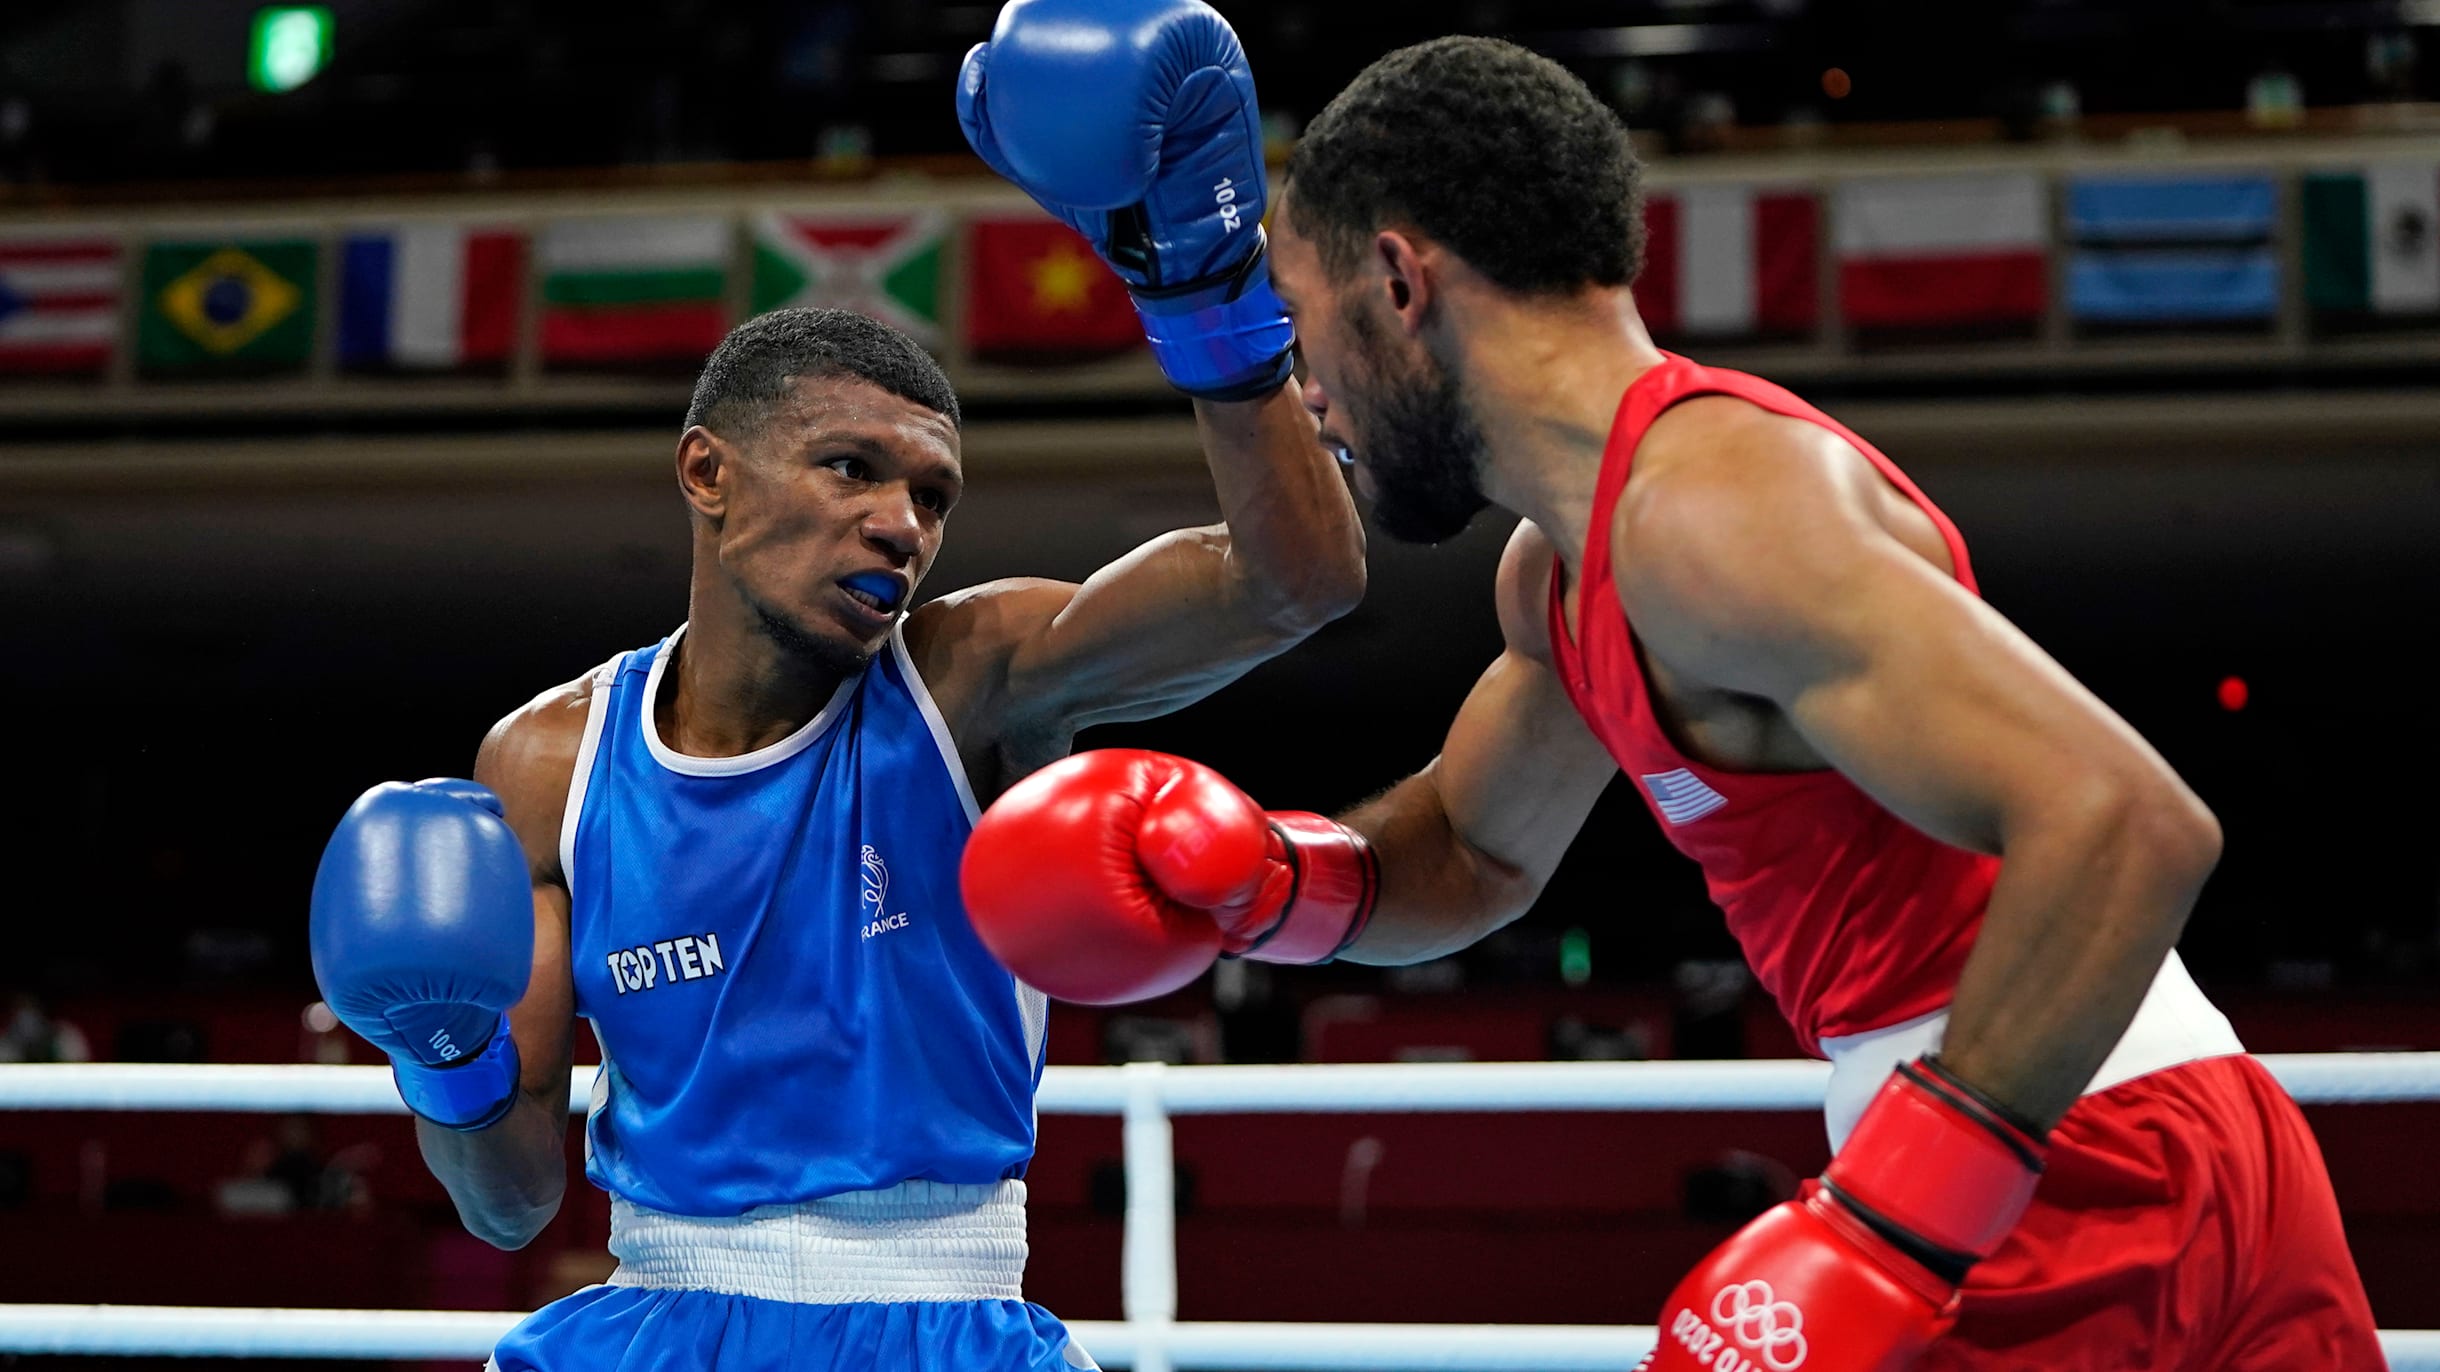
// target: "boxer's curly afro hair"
[[1501, 154], [751, 370]]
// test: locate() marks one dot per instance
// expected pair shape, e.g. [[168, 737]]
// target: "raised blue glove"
[[423, 936], [1134, 122]]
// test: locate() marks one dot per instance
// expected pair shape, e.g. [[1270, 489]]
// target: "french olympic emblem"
[[1757, 1319], [872, 916], [876, 877]]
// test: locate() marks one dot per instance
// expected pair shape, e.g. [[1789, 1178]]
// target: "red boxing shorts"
[[2186, 1224]]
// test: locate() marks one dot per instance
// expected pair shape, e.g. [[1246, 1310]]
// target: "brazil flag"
[[227, 307]]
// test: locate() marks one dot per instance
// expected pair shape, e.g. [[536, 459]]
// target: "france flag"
[[429, 297]]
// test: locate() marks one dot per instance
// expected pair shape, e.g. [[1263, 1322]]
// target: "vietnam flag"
[[1036, 293]]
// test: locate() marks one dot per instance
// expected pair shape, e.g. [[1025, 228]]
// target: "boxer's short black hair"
[[1499, 153], [751, 370]]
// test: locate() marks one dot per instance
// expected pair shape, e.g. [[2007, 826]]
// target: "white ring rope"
[[1146, 1094], [196, 1331], [2312, 1078]]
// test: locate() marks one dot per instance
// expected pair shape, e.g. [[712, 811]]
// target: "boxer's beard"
[[1421, 444], [811, 649]]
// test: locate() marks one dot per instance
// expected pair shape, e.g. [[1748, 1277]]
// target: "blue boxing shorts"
[[924, 1276]]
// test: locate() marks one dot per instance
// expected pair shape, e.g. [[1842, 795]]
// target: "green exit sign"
[[291, 46]]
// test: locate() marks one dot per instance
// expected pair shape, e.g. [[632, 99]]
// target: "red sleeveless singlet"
[[1852, 919]]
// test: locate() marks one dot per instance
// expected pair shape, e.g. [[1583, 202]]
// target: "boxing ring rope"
[[1144, 1096]]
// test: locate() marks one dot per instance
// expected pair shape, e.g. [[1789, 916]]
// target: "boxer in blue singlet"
[[735, 851]]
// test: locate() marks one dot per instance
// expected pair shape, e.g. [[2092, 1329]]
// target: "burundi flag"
[[882, 265], [2372, 240], [227, 306], [627, 292]]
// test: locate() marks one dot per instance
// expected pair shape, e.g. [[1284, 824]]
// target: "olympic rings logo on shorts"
[[1759, 1320]]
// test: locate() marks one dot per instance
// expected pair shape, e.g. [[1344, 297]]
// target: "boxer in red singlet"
[[1960, 874]]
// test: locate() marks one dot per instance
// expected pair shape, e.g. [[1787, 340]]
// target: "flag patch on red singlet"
[[1682, 796]]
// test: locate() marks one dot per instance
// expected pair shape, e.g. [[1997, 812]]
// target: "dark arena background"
[[2145, 295]]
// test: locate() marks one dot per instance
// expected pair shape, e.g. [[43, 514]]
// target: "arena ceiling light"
[[291, 45]]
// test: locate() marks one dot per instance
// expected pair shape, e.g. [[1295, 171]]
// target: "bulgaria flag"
[[2372, 239], [429, 296], [1723, 261], [1942, 251], [630, 291], [1035, 292], [880, 265], [59, 300]]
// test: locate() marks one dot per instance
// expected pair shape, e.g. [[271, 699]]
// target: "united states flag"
[[59, 300], [1682, 796]]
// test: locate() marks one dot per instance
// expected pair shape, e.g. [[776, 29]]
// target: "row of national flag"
[[607, 293], [1723, 261], [1973, 252]]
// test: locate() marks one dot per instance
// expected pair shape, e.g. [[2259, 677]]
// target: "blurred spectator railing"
[[2304, 254]]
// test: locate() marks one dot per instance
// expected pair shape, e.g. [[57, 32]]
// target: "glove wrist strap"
[[1935, 1160], [1222, 338], [1337, 879], [469, 1094]]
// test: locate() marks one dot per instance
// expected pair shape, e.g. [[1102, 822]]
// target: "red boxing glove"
[[1120, 874], [1861, 1274]]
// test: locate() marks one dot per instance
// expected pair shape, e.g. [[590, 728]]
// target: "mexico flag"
[[1725, 261], [880, 265], [1942, 251], [2372, 239], [622, 292]]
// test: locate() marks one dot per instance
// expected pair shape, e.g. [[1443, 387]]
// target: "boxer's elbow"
[[512, 1224], [2158, 841], [1297, 601], [2181, 840]]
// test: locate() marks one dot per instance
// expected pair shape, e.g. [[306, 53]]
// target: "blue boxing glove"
[[423, 936], [1134, 122]]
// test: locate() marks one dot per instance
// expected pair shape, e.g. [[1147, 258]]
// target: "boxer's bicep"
[[1519, 771], [544, 1021], [1467, 843], [528, 760]]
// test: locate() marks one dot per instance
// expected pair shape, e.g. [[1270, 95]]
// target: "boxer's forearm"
[[1295, 542], [2079, 922], [506, 1180], [1439, 893]]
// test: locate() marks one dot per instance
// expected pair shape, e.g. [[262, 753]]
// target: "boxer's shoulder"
[[1523, 591], [529, 759], [963, 646]]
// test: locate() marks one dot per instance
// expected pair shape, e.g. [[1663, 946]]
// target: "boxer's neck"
[[735, 688], [1544, 379]]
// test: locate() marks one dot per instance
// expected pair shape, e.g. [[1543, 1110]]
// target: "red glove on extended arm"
[[1120, 874], [1862, 1272]]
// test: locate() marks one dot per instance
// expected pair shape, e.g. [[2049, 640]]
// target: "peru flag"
[[1943, 251], [430, 297], [1725, 261]]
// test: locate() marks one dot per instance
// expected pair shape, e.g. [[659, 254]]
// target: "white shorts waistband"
[[916, 1241], [2175, 1024]]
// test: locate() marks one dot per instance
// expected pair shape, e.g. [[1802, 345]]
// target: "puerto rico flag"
[[429, 297], [59, 300]]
